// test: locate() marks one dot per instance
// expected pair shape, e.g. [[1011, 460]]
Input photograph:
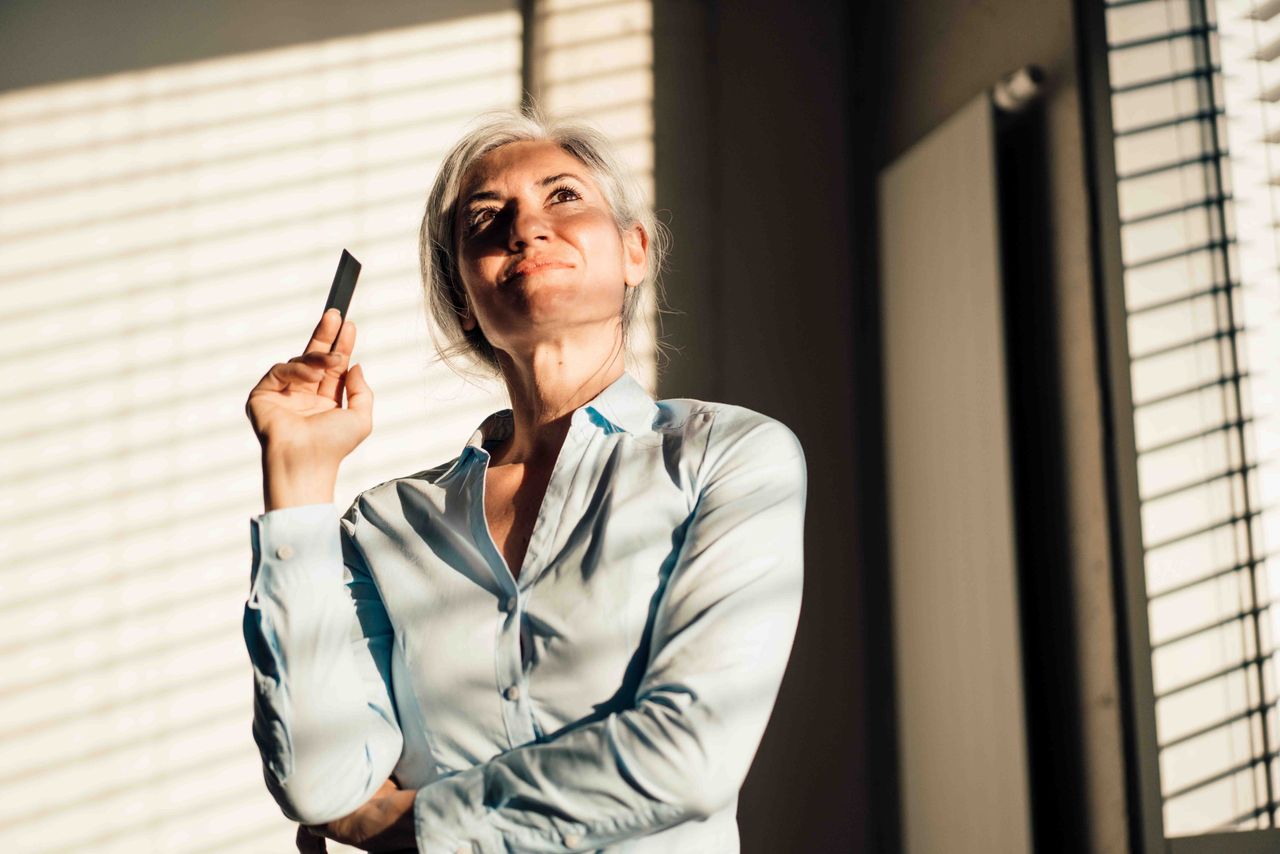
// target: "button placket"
[[544, 528], [509, 663], [509, 673]]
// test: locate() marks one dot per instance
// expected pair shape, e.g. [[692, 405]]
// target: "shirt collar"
[[622, 406]]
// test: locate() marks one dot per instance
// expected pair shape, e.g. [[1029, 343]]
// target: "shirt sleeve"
[[720, 643], [319, 640]]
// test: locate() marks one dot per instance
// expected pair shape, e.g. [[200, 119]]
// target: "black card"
[[344, 285]]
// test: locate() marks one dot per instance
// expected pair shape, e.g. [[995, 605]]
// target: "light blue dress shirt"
[[611, 699]]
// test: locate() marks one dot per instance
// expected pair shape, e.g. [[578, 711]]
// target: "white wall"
[[167, 232], [176, 184]]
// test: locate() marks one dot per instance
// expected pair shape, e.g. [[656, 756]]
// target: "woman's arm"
[[720, 644], [319, 640]]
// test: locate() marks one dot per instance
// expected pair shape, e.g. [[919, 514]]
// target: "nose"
[[528, 224]]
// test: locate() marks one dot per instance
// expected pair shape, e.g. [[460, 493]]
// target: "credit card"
[[344, 285]]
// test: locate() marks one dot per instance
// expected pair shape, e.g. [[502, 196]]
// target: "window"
[[1193, 101]]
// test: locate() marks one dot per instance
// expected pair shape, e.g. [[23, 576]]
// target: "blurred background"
[[1024, 327]]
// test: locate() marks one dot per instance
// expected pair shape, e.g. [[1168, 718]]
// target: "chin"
[[543, 319], [541, 295]]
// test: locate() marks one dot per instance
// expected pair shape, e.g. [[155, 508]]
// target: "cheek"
[[601, 247], [478, 268]]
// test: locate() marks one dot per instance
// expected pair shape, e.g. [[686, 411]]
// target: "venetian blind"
[[1192, 90]]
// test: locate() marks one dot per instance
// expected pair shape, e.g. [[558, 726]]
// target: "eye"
[[479, 217], [565, 193]]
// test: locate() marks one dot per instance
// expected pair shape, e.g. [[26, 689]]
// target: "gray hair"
[[437, 249]]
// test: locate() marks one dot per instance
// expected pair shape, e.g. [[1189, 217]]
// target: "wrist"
[[384, 824], [400, 829], [290, 479]]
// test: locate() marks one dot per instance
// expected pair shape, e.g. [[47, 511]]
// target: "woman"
[[570, 636]]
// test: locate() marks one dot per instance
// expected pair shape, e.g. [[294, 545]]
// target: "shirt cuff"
[[294, 544], [449, 816]]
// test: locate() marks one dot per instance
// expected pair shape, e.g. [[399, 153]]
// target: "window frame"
[[1138, 701]]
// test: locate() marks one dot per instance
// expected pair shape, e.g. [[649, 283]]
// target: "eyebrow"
[[489, 195]]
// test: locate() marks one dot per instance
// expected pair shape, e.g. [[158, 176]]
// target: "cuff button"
[[572, 840], [284, 552]]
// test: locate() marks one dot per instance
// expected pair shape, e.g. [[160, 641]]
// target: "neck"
[[546, 385]]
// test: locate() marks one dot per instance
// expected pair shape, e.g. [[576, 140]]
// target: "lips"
[[533, 265]]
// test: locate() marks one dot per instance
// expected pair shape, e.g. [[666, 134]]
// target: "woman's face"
[[539, 252]]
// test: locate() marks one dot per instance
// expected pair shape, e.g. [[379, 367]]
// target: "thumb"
[[359, 395]]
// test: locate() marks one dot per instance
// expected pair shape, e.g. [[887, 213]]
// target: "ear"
[[468, 319], [635, 259]]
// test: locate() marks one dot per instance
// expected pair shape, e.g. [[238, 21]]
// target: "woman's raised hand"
[[297, 413]]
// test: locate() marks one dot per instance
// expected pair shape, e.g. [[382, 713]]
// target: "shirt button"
[[512, 693], [463, 849], [284, 552], [509, 604], [572, 840]]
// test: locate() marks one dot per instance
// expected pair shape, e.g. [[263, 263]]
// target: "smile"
[[534, 265]]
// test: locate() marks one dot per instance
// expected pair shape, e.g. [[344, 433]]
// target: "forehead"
[[520, 162]]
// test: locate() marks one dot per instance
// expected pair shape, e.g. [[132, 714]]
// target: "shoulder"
[[377, 500], [730, 433]]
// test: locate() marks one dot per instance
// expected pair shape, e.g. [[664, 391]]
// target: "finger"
[[359, 394], [346, 341], [306, 373], [331, 385], [291, 376], [317, 359], [338, 392], [325, 332]]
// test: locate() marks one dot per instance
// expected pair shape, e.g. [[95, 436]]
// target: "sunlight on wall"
[[595, 60], [165, 236]]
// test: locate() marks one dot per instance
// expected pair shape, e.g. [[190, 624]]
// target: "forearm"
[[631, 775], [571, 794], [323, 724], [582, 789]]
